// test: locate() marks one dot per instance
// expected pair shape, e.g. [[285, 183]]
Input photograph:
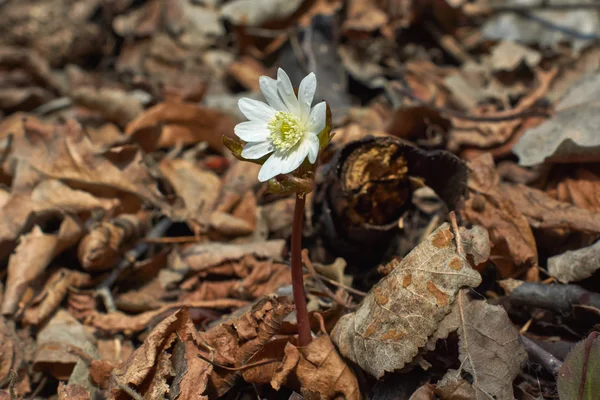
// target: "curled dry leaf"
[[34, 253], [402, 311], [254, 13], [181, 124], [489, 348], [576, 265], [320, 370], [102, 246], [370, 185], [229, 344], [491, 206], [55, 290]]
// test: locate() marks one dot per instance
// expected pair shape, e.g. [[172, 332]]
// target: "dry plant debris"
[[450, 240]]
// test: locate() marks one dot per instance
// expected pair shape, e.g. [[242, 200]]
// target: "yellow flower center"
[[286, 130]]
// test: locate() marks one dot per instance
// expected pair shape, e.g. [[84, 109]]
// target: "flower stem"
[[304, 335]]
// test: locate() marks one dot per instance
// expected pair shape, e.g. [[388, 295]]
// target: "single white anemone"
[[287, 127]]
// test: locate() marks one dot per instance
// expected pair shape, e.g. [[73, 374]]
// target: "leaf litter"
[[141, 260]]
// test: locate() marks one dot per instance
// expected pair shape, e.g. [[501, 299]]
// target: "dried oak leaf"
[[115, 105], [575, 265], [491, 206], [578, 377], [403, 310], [181, 124], [489, 347]]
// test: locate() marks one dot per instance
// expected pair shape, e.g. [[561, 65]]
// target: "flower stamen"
[[286, 130]]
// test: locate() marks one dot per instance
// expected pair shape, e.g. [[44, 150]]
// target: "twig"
[[505, 116], [317, 277], [39, 388], [304, 334], [345, 287], [129, 258], [541, 356], [124, 387], [459, 248]]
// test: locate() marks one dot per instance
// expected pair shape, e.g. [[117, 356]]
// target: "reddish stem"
[[304, 335]]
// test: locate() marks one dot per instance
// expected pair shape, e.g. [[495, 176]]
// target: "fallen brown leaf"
[[55, 340], [72, 392], [491, 206], [182, 124], [402, 311]]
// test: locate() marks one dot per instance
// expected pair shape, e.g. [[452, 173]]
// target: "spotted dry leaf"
[[399, 314]]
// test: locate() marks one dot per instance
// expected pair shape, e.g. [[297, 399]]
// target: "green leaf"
[[579, 377]]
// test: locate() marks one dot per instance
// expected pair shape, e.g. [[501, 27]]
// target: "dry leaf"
[[52, 295], [72, 392], [491, 206], [544, 212], [115, 105], [181, 124], [34, 253], [575, 265], [117, 322], [203, 256], [399, 314], [320, 370], [569, 136], [102, 247], [55, 340], [258, 12], [489, 347], [64, 152], [489, 134]]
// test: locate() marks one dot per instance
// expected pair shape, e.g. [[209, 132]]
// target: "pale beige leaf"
[[489, 349], [399, 314], [576, 265]]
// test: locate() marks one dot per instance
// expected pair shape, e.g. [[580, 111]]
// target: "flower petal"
[[286, 91], [268, 87], [270, 169], [256, 150], [316, 120], [306, 94], [252, 131], [255, 110], [294, 158], [313, 148]]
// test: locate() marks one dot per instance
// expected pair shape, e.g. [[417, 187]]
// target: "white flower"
[[287, 126]]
